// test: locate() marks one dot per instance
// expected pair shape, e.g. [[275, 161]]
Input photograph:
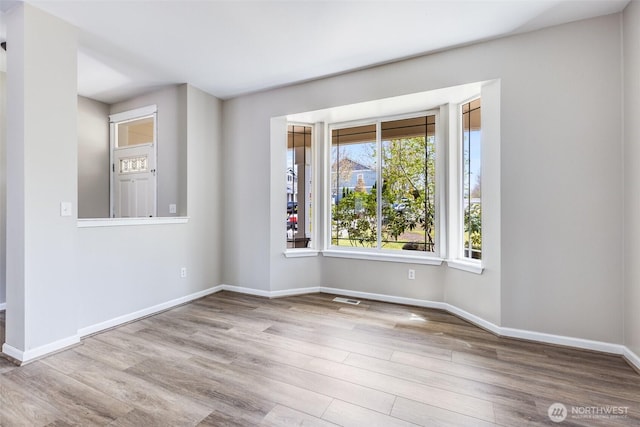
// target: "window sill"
[[300, 253], [470, 266], [117, 222], [388, 257]]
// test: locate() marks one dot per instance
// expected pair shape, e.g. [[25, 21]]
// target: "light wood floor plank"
[[348, 415], [428, 416], [497, 394], [238, 360], [317, 337], [280, 392], [453, 401], [332, 387], [18, 407], [281, 416]]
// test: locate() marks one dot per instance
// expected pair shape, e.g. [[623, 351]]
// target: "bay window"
[[395, 186]]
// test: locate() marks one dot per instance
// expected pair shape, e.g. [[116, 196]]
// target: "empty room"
[[351, 213]]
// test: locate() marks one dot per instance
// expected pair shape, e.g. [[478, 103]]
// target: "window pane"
[[472, 189], [135, 132], [299, 186], [354, 207], [408, 189]]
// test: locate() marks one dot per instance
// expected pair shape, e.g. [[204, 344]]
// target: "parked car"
[[399, 207], [292, 207], [292, 221]]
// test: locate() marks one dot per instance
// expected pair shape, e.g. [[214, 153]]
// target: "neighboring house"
[[292, 186], [352, 175]]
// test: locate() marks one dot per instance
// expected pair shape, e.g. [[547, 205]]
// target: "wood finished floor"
[[237, 360]]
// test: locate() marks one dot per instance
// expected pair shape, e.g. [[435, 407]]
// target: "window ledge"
[[378, 256], [470, 266], [117, 222], [300, 253]]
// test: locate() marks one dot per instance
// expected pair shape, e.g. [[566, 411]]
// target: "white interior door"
[[134, 172]]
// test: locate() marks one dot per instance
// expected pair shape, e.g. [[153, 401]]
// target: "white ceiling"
[[228, 48]]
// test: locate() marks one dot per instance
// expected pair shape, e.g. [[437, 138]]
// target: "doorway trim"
[[125, 116]]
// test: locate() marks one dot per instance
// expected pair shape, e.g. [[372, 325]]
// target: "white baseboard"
[[248, 291], [632, 358], [36, 353], [271, 294], [83, 332], [385, 298], [600, 346], [618, 349], [295, 291], [541, 337], [3, 306], [472, 318]]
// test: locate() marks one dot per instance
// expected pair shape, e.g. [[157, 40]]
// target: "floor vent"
[[346, 300]]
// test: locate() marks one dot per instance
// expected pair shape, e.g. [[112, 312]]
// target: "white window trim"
[[316, 159], [381, 254], [133, 114], [118, 222], [375, 255], [466, 265], [300, 252], [456, 258]]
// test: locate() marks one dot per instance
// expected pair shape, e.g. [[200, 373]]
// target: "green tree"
[[409, 188], [355, 215], [473, 226], [408, 197]]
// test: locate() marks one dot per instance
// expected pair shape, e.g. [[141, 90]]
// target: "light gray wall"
[[172, 134], [64, 278], [93, 158], [126, 269], [41, 173], [3, 186], [632, 175], [560, 268], [561, 175]]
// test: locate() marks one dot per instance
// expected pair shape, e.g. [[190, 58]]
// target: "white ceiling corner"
[[228, 48]]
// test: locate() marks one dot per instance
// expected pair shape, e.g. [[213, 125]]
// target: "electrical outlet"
[[173, 208], [411, 275], [183, 272]]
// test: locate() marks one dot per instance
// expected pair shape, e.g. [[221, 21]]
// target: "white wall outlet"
[[411, 275], [172, 208], [65, 208], [183, 272]]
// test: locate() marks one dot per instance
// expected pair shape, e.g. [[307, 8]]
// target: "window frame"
[[312, 249], [455, 151], [378, 253], [462, 178]]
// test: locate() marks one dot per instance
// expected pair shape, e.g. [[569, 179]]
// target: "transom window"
[[383, 184], [135, 132]]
